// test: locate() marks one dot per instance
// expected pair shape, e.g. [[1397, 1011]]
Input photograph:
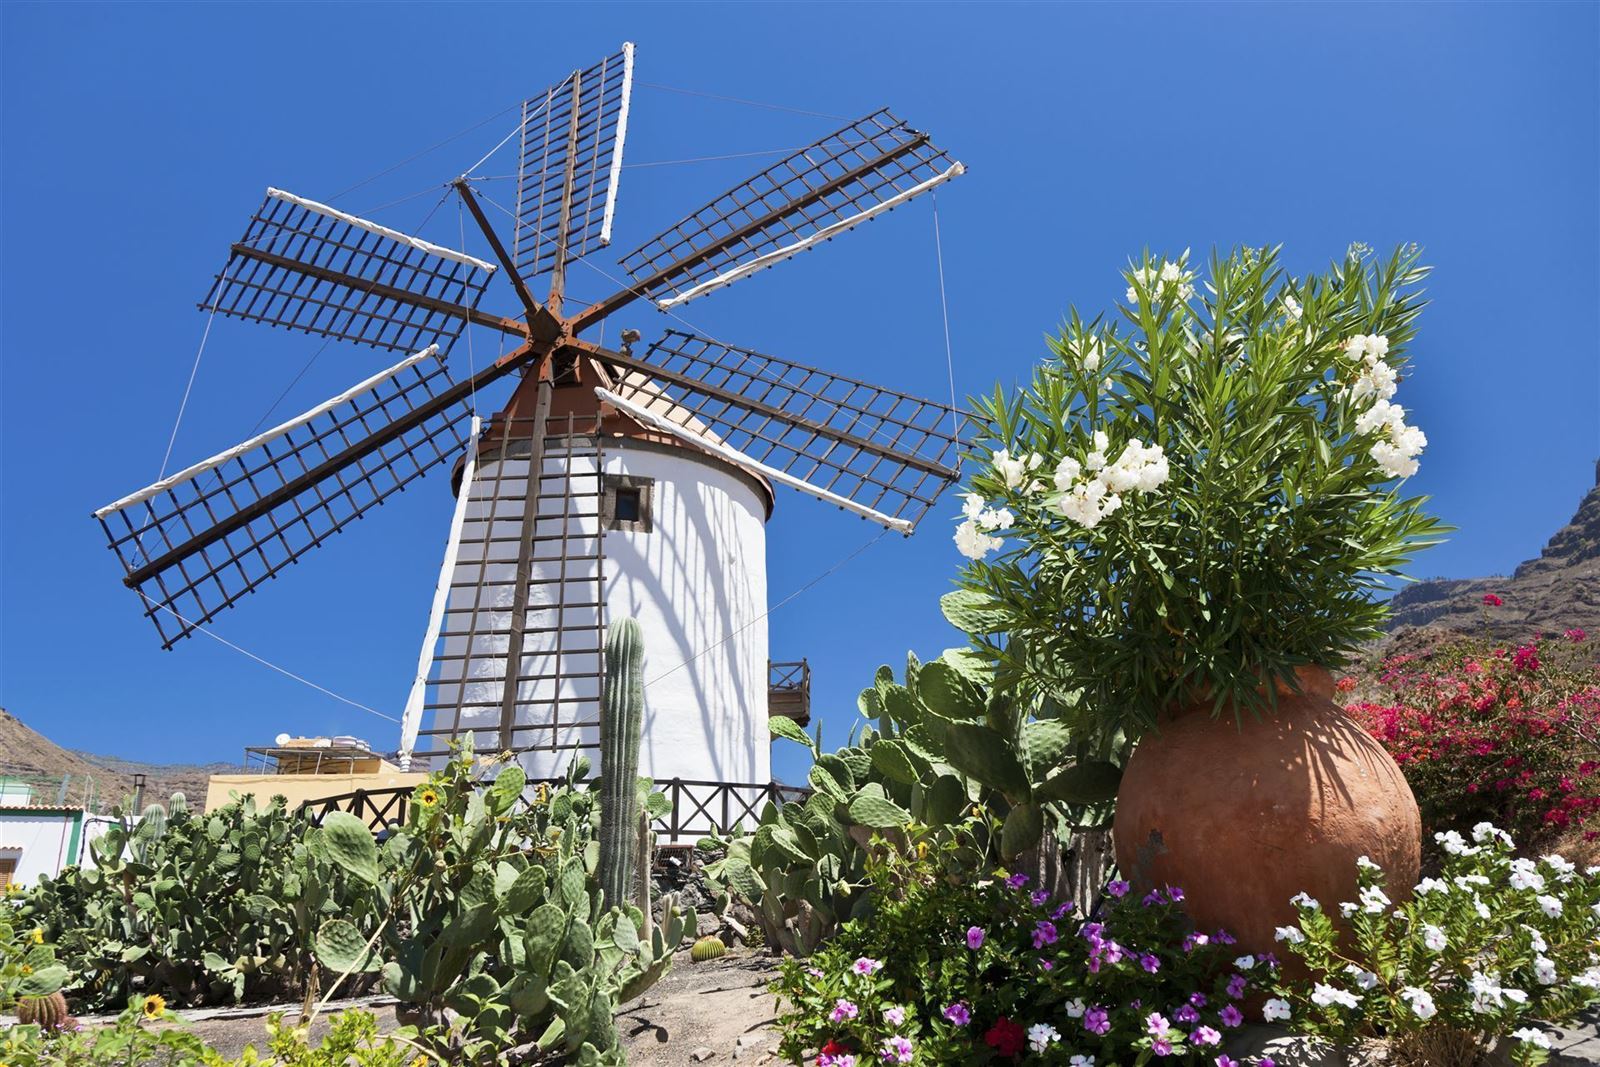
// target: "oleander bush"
[[1494, 732], [1490, 949], [958, 967]]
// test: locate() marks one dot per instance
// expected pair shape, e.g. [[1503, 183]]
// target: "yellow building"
[[302, 769]]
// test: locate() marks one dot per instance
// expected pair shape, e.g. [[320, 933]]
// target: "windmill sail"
[[584, 119], [848, 177], [886, 452], [306, 266], [196, 542]]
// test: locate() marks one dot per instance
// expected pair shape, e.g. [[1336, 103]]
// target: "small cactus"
[[707, 948], [621, 713], [178, 805], [49, 1012]]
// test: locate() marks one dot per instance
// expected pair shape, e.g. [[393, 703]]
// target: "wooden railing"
[[697, 808], [789, 690]]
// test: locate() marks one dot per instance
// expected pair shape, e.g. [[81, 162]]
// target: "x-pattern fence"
[[698, 808]]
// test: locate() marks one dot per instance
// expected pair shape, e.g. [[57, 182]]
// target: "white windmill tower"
[[611, 482]]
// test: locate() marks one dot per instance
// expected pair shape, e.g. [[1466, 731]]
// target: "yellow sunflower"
[[26, 969], [420, 1061], [154, 1006], [428, 797]]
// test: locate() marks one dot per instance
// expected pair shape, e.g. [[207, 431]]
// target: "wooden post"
[[530, 518]]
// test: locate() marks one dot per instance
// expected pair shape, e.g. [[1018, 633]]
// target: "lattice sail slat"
[[557, 702], [848, 177], [886, 451], [195, 543], [602, 95], [306, 266]]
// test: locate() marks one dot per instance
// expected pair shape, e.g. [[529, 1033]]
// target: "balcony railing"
[[789, 690], [697, 808]]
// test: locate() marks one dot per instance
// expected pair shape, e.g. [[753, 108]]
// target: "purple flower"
[[975, 936], [1157, 1024], [1231, 1016], [813, 972], [1039, 897], [1150, 963], [1047, 965], [958, 1013], [1062, 912], [1226, 1060], [1017, 881], [1161, 1047], [894, 1016], [1152, 898], [1044, 933], [1236, 986], [1114, 952], [1118, 888], [1267, 1061], [866, 965], [1186, 1014], [897, 1050], [1222, 937], [1174, 893], [842, 1010], [1197, 999], [1194, 941], [1205, 1036], [1092, 931], [1097, 1020]]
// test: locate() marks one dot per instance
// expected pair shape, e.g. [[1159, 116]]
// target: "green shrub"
[[1491, 947]]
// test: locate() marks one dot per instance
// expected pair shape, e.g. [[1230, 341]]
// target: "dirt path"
[[718, 1012]]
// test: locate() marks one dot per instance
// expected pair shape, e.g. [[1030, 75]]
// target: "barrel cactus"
[[49, 1012], [621, 715], [178, 805], [708, 948]]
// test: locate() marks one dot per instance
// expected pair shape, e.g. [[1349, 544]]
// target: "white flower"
[[1589, 979], [1535, 938], [1305, 900], [1485, 832], [1366, 863], [1067, 472], [973, 542], [1551, 906], [996, 519], [1363, 978], [1431, 885], [971, 505], [1452, 842], [1291, 308], [1373, 900], [1433, 938], [1532, 1036], [1291, 934], [1244, 963], [1524, 876], [1348, 908], [1092, 351], [1565, 869], [1488, 995], [1041, 1036], [1544, 970], [1421, 1002], [1014, 470], [1480, 907], [1081, 1060], [1326, 995], [1275, 1009], [1075, 1008]]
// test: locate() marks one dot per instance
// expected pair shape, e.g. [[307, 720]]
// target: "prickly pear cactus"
[[621, 716]]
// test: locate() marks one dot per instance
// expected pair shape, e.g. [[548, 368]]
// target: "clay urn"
[[1243, 817]]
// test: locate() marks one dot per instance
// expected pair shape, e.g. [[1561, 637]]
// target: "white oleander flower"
[[1291, 308], [1421, 1002], [971, 505], [1014, 470], [1093, 351], [973, 543], [996, 519]]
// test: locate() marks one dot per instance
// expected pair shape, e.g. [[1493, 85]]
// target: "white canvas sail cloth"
[[411, 718], [733, 455]]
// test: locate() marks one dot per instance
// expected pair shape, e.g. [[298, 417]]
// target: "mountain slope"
[[34, 758], [1557, 590]]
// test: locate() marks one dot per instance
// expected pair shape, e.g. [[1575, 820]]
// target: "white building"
[[647, 525], [42, 839]]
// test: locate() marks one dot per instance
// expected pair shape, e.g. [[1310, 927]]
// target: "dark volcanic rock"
[[1557, 590]]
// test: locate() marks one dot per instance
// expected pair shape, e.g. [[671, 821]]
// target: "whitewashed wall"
[[41, 841], [696, 582]]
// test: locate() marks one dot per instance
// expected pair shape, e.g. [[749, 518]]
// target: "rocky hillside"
[[34, 758], [1556, 590]]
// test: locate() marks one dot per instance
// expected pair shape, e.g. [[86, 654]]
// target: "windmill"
[[611, 480]]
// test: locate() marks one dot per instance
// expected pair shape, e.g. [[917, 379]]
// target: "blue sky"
[[136, 139]]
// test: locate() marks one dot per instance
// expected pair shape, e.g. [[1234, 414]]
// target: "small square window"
[[626, 503]]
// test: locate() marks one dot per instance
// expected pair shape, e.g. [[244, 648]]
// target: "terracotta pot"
[[1243, 818]]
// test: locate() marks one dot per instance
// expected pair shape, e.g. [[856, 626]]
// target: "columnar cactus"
[[178, 805], [621, 716]]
